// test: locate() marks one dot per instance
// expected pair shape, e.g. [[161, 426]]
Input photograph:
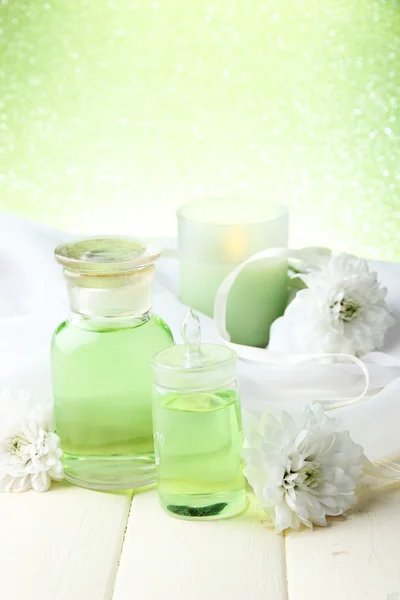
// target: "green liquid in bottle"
[[198, 443], [102, 384]]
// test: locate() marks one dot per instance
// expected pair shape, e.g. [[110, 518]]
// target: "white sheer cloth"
[[33, 301]]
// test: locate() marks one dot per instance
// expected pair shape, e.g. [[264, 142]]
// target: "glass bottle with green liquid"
[[102, 380], [198, 429]]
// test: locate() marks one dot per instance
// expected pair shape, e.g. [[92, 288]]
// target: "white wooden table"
[[76, 544]]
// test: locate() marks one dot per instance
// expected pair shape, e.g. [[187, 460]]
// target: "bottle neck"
[[111, 296]]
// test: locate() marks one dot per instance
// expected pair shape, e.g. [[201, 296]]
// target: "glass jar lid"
[[100, 256], [193, 365]]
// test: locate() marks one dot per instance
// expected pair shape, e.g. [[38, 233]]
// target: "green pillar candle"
[[215, 235]]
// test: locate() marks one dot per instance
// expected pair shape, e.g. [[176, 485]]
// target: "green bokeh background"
[[115, 112]]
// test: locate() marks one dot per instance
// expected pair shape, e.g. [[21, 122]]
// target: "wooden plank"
[[168, 558], [355, 558], [61, 545]]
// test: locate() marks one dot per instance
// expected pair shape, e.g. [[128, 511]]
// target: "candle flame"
[[236, 242]]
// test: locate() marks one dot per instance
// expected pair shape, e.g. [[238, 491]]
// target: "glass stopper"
[[191, 335]]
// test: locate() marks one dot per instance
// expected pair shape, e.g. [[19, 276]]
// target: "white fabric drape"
[[33, 301]]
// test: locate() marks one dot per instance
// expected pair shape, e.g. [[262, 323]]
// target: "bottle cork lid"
[[194, 365], [105, 255]]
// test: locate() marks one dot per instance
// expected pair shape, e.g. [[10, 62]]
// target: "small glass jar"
[[198, 432], [101, 372]]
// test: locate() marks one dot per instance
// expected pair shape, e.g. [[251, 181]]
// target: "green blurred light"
[[113, 113]]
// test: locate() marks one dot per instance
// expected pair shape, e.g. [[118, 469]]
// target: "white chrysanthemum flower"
[[343, 310], [30, 451], [302, 469]]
